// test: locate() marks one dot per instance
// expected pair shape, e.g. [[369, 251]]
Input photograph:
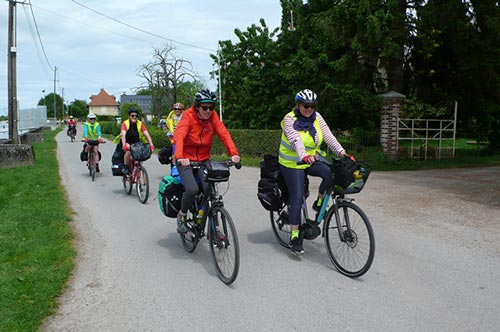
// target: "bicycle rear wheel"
[[224, 245], [281, 227], [353, 255], [127, 183], [142, 185]]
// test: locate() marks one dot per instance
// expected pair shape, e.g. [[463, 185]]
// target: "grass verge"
[[36, 240]]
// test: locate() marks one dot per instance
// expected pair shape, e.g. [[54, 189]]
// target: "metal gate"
[[427, 138]]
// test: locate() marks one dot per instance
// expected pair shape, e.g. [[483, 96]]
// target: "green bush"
[[250, 142]]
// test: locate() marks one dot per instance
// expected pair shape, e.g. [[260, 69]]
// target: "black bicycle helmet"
[[205, 96], [133, 110], [306, 96]]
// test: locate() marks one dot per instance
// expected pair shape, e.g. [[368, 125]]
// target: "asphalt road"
[[436, 268]]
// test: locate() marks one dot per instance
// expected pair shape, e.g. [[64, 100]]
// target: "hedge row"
[[254, 143]]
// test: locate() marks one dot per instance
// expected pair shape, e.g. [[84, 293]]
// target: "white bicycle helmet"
[[306, 96], [91, 116]]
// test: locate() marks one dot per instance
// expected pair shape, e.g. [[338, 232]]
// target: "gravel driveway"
[[436, 268]]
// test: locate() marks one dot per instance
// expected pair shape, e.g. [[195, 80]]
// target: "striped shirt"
[[293, 136]]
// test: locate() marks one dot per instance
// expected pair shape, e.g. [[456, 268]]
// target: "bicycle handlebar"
[[198, 164]]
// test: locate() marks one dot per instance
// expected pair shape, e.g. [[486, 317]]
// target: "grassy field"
[[36, 241]]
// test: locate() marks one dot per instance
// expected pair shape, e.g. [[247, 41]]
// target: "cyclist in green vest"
[[92, 131], [134, 131], [304, 130]]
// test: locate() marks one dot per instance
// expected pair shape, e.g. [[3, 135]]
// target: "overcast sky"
[[92, 51]]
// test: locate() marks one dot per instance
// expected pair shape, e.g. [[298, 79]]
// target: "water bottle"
[[199, 217]]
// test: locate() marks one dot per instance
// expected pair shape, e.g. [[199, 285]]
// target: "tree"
[[78, 108], [456, 57], [163, 75], [48, 101]]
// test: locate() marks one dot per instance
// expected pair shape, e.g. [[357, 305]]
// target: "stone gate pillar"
[[389, 116]]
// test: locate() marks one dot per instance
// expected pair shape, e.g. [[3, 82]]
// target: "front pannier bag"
[[140, 151], [169, 196]]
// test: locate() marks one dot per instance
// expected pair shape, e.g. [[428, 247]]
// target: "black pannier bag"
[[165, 155], [140, 151], [217, 171], [169, 196], [343, 172], [271, 189], [117, 164]]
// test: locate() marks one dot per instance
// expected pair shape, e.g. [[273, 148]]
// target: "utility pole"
[[13, 104], [55, 114]]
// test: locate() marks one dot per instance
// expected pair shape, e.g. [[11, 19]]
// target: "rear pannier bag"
[[269, 194], [271, 189], [169, 196]]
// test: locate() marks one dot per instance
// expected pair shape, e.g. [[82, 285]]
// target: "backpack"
[[271, 188], [169, 196]]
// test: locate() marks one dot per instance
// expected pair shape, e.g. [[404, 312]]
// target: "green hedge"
[[256, 143]]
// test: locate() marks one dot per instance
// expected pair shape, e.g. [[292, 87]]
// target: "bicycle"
[[219, 230], [90, 157], [138, 175], [72, 132], [347, 232]]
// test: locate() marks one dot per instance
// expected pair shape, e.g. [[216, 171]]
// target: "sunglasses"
[[207, 108], [306, 106], [133, 116], [178, 109]]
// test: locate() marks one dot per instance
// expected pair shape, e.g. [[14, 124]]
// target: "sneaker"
[[296, 246], [97, 170], [181, 224]]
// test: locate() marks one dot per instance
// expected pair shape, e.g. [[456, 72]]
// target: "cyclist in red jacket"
[[193, 138]]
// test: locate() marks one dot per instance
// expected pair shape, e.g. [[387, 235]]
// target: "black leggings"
[[295, 178], [191, 188]]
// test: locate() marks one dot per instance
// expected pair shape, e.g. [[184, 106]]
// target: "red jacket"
[[193, 137]]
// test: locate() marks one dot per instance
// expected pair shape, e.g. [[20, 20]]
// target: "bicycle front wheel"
[[350, 241], [281, 227], [91, 166], [142, 185], [127, 183], [224, 245], [191, 238]]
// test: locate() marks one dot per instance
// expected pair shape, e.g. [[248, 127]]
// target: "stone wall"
[[14, 155]]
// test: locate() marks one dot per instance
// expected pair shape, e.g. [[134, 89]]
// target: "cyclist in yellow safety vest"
[[92, 131], [304, 130], [133, 131]]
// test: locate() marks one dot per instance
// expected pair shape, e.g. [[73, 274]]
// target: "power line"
[[141, 30]]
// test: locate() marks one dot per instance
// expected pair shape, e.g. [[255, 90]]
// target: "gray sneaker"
[[181, 223]]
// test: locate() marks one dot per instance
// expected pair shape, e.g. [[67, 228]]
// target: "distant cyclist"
[[304, 130], [71, 125], [193, 139], [173, 119], [92, 131]]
